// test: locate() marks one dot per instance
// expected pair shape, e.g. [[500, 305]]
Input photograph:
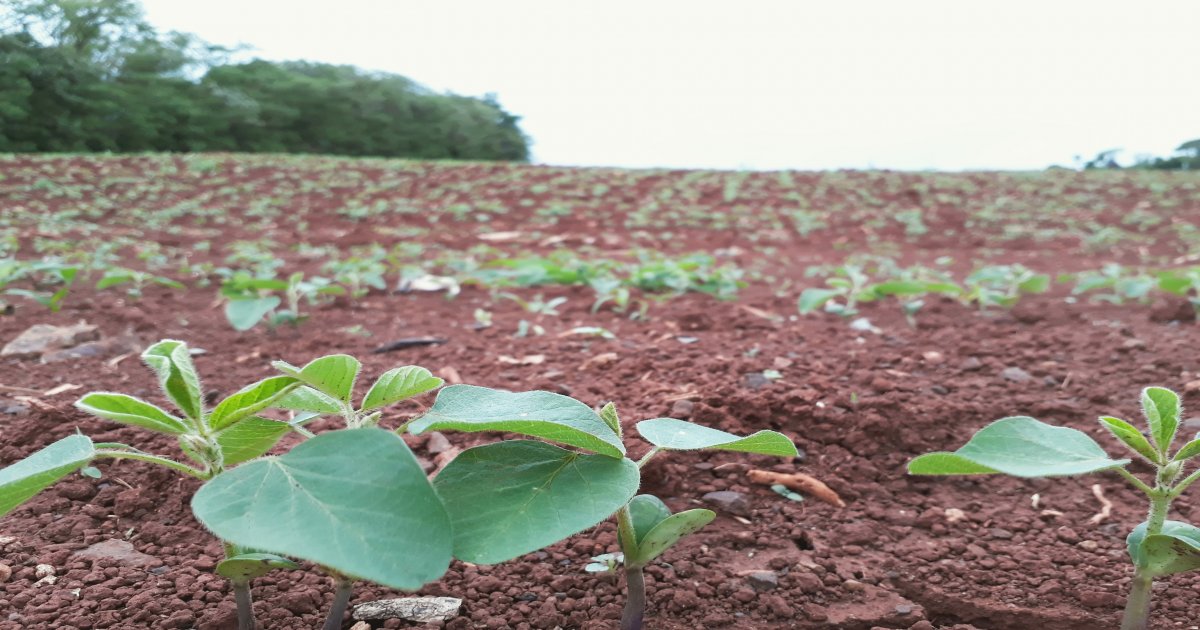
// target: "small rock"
[[1096, 599], [756, 380], [854, 586], [904, 609], [933, 357], [763, 580], [13, 408], [1001, 534], [1088, 545], [970, 364], [682, 409], [729, 501], [43, 570], [41, 338], [108, 347], [361, 625], [862, 324], [1015, 374], [5, 572], [120, 551], [418, 609], [1067, 535]]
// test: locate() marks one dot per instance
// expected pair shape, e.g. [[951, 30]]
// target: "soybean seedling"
[[310, 503], [559, 491], [367, 509], [1024, 447]]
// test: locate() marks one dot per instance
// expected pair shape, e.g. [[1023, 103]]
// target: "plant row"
[[355, 503]]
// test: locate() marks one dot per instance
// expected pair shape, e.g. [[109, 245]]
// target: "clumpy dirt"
[[919, 553]]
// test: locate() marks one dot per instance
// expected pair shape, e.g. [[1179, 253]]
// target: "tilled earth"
[[988, 553]]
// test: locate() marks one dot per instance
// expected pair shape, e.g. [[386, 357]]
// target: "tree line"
[[93, 75]]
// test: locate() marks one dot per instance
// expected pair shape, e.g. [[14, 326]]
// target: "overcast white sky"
[[911, 84]]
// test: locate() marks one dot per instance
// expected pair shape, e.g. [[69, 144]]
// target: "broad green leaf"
[[1022, 447], [250, 438], [1174, 283], [667, 533], [678, 435], [1132, 438], [1173, 550], [1188, 451], [398, 384], [248, 566], [646, 511], [813, 299], [129, 410], [332, 375], [510, 498], [27, 477], [244, 314], [539, 414], [1161, 407], [354, 500], [177, 376], [250, 400], [113, 280], [306, 398]]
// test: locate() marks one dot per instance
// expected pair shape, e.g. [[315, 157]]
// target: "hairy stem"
[[1137, 611], [341, 599], [1137, 483], [154, 459], [1137, 608], [635, 602], [641, 463], [245, 605]]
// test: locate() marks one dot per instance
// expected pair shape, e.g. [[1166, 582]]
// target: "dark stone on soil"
[[409, 342], [1015, 374], [763, 580], [729, 501], [756, 380]]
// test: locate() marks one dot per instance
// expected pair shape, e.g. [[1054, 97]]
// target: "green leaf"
[[1022, 447], [250, 438], [306, 398], [129, 410], [678, 435], [813, 299], [332, 375], [901, 287], [1161, 407], [244, 314], [510, 498], [539, 414], [1038, 283], [1174, 550], [1188, 451], [608, 413], [250, 400], [667, 533], [1132, 438], [398, 384], [646, 511], [172, 362], [24, 479], [354, 500], [248, 566]]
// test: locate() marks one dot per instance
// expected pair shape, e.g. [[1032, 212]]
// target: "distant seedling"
[[1024, 447]]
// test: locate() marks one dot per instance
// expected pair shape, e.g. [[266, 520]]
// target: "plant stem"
[[635, 602], [341, 598], [641, 463], [1137, 608], [155, 459], [245, 605], [1137, 483]]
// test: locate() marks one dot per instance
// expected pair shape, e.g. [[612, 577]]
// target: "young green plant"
[[1024, 447], [562, 491]]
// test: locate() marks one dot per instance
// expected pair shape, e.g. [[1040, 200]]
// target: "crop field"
[[869, 317]]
